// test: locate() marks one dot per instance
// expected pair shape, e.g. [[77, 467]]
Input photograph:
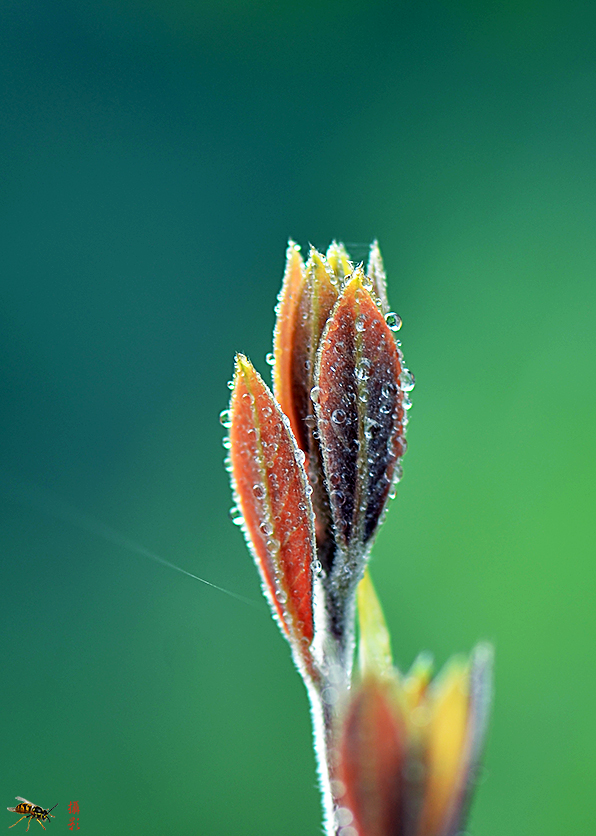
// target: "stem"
[[327, 690], [323, 732]]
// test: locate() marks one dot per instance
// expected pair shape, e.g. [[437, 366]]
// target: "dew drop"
[[338, 416], [393, 321], [343, 816], [360, 322], [338, 788], [406, 380], [258, 490], [266, 529], [230, 384], [225, 418], [310, 421], [300, 456], [236, 515], [335, 478], [270, 359], [363, 369], [226, 442], [338, 497], [314, 394], [406, 403]]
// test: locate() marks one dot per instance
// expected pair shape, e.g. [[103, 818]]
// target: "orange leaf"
[[284, 335], [270, 487], [304, 309], [307, 299]]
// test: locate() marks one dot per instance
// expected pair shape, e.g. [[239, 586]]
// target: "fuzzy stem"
[[327, 692], [323, 733]]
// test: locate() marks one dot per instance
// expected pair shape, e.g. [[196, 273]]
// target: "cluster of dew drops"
[[406, 380], [406, 383]]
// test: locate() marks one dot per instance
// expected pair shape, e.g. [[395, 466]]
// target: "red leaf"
[[270, 486], [360, 413], [372, 760]]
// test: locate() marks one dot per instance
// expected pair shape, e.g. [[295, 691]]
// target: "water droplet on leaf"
[[393, 320], [236, 515], [406, 380]]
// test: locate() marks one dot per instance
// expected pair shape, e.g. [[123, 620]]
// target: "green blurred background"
[[154, 158]]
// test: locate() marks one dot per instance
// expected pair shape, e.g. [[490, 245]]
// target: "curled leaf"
[[306, 304], [339, 262], [284, 335], [360, 414], [306, 301], [376, 273], [374, 649], [270, 487]]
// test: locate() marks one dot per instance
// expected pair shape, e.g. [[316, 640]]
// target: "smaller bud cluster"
[[313, 465], [409, 747]]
